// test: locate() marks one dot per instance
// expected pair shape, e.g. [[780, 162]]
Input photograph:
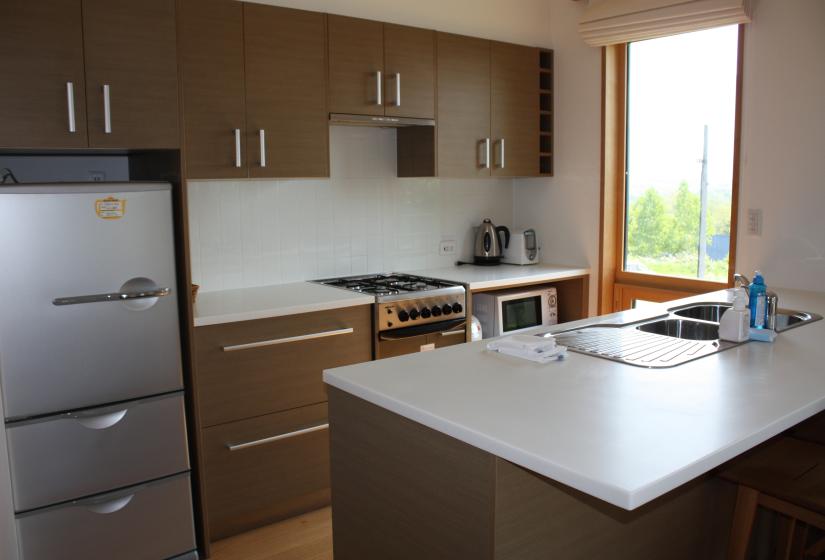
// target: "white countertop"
[[621, 433], [244, 304], [487, 277]]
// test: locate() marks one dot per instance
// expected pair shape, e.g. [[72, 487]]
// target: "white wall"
[[783, 144], [564, 209], [363, 219]]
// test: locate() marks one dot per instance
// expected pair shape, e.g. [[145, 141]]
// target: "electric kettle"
[[488, 247]]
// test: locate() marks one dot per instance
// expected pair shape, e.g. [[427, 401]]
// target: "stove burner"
[[386, 285]]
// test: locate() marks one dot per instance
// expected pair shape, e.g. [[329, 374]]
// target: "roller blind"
[[607, 22]]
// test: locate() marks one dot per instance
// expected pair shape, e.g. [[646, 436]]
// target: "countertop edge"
[[280, 311], [526, 280]]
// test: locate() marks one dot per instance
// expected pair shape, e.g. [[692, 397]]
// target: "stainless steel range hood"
[[370, 120]]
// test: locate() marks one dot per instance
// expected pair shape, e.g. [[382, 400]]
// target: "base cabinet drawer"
[[252, 368], [264, 469], [152, 520], [74, 455]]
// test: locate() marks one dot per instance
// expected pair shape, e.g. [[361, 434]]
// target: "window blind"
[[607, 22]]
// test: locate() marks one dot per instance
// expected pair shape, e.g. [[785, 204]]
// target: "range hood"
[[370, 120]]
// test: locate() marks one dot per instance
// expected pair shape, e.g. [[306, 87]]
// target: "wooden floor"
[[306, 537]]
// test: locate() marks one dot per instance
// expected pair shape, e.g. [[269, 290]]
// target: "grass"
[[679, 265]]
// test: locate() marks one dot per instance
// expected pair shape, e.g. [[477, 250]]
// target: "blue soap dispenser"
[[758, 301]]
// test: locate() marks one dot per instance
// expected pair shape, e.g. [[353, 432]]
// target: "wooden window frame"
[[614, 281]]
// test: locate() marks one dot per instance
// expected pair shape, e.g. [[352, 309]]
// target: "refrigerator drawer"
[[252, 368], [152, 520], [264, 469], [78, 454]]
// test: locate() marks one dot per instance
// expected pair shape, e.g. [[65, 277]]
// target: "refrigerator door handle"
[[114, 296]]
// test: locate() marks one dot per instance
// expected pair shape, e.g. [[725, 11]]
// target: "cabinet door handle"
[[484, 157], [107, 110], [287, 340], [237, 147], [254, 443], [70, 101], [500, 163], [397, 101], [262, 142], [378, 97]]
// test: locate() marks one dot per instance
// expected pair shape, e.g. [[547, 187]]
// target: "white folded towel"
[[533, 348]]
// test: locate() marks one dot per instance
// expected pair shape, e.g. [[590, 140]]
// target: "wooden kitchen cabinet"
[[41, 53], [514, 114], [266, 468], [409, 64], [463, 106], [131, 48], [356, 65], [211, 43], [286, 102], [365, 60], [250, 368]]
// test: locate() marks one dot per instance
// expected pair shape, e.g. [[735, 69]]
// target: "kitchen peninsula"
[[463, 453]]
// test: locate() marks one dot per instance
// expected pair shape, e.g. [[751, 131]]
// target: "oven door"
[[421, 338], [518, 312]]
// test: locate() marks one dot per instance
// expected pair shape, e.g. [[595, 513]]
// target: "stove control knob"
[[403, 316], [426, 313], [436, 311], [414, 314], [457, 308], [447, 309]]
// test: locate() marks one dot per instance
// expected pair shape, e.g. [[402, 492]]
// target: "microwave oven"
[[516, 310]]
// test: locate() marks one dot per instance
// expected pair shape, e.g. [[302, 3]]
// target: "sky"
[[677, 85]]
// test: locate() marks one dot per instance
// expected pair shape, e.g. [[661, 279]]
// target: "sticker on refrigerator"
[[110, 208]]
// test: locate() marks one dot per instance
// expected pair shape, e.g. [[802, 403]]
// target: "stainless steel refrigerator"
[[90, 373]]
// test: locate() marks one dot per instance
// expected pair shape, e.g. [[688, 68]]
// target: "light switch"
[[754, 221]]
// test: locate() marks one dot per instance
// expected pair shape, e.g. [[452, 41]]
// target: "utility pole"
[[703, 209]]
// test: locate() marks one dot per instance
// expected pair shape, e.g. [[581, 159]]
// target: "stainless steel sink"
[[682, 328], [687, 333], [704, 312]]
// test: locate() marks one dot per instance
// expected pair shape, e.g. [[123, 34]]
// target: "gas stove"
[[405, 300]]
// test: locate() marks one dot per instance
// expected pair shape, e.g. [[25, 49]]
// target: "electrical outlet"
[[97, 176], [446, 247], [754, 221]]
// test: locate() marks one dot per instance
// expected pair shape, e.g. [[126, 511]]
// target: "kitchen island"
[[463, 453]]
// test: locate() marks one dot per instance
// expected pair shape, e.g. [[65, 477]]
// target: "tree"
[[685, 235], [647, 225]]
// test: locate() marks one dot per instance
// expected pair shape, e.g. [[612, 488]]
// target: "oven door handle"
[[429, 328]]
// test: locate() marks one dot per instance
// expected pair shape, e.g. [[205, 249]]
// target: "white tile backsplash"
[[363, 219]]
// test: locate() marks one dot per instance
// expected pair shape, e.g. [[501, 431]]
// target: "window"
[[670, 165], [681, 106]]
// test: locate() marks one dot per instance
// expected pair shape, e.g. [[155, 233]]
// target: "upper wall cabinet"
[[128, 81], [488, 108], [381, 69], [286, 96], [514, 118], [131, 73], [254, 90]]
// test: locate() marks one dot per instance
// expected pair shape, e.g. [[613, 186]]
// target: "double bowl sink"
[[686, 333]]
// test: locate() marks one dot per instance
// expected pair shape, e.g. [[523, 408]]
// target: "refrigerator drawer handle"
[[100, 421], [239, 446], [114, 296], [111, 506], [325, 334]]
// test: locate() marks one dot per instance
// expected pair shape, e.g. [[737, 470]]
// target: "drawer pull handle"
[[101, 421], [255, 443], [287, 340], [112, 505], [453, 333]]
